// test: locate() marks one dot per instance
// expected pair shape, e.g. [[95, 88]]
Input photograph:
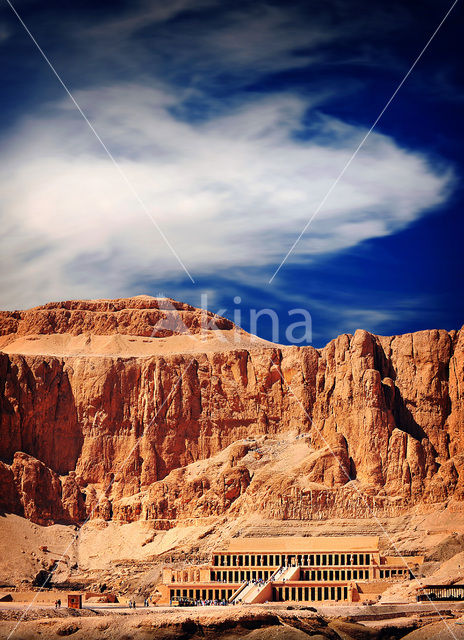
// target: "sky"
[[214, 131]]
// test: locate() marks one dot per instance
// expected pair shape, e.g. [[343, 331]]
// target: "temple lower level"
[[289, 569]]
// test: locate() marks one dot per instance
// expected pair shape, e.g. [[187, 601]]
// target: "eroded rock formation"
[[122, 436]]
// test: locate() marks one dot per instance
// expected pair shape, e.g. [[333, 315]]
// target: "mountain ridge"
[[376, 421]]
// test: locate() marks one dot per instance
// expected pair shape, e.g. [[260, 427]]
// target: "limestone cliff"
[[134, 420]]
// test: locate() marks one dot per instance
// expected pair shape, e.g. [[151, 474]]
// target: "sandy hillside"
[[62, 344]]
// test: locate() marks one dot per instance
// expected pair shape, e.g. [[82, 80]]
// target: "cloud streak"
[[228, 191]]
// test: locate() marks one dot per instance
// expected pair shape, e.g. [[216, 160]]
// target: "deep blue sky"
[[231, 120]]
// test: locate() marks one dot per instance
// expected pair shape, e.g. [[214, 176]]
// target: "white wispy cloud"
[[215, 44], [230, 192]]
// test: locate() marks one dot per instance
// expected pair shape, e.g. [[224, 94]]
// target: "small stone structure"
[[75, 601]]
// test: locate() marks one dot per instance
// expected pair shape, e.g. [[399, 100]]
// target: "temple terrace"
[[289, 569]]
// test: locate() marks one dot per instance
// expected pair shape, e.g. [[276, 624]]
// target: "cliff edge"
[[143, 408]]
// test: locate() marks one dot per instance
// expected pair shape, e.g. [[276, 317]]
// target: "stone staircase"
[[241, 592], [251, 592], [289, 573]]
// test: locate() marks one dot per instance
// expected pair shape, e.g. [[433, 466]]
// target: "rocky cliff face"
[[125, 437]]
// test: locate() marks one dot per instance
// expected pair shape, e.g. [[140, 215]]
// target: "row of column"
[[185, 575], [239, 576], [334, 575], [454, 592], [310, 594], [203, 594], [305, 560]]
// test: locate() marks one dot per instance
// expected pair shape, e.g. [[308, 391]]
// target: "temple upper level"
[[299, 551]]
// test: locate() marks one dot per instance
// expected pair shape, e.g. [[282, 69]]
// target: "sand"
[[21, 557], [218, 623], [63, 344], [273, 622], [443, 630]]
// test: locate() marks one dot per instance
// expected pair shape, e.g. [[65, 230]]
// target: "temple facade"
[[289, 569]]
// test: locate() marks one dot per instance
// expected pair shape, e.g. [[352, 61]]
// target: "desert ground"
[[271, 622], [126, 559]]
